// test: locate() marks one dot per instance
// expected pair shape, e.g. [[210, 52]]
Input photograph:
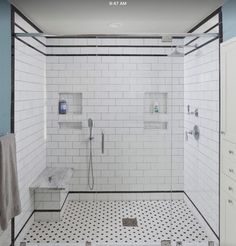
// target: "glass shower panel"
[[132, 191]]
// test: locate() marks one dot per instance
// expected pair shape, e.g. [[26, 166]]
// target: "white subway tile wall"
[[113, 91], [201, 158], [30, 117]]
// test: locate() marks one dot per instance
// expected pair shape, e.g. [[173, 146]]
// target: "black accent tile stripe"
[[17, 11], [29, 45], [111, 46], [200, 46], [23, 30], [106, 55], [217, 11], [126, 192], [208, 30], [110, 37]]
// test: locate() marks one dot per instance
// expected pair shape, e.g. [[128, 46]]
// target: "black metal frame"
[[12, 123]]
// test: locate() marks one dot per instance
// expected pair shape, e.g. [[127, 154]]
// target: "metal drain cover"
[[132, 222]]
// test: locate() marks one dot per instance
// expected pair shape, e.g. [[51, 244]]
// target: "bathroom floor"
[[101, 222]]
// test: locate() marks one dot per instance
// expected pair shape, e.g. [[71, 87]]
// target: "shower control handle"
[[230, 201], [103, 142], [230, 188], [231, 152]]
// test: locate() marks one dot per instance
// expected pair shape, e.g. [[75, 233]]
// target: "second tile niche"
[[155, 110]]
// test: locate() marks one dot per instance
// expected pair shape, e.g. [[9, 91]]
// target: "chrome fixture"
[[103, 138], [195, 112], [187, 134], [195, 132], [188, 109], [90, 171], [50, 178]]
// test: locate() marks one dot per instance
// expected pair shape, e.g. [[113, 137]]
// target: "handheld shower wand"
[[90, 171]]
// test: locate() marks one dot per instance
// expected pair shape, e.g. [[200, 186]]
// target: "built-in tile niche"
[[71, 120], [155, 110], [73, 101]]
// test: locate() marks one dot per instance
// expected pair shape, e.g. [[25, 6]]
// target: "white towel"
[[9, 193]]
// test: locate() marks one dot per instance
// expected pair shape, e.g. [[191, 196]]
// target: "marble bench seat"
[[50, 192]]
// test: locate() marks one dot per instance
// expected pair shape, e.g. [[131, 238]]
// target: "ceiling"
[[71, 17]]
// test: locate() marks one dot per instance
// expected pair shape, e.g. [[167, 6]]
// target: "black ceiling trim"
[[217, 11]]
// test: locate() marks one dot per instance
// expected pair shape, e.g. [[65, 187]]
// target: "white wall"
[[201, 158], [113, 88], [30, 115]]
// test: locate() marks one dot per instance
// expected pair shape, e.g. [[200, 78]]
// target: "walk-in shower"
[[135, 164]]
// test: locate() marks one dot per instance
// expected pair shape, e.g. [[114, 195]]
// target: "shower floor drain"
[[132, 222]]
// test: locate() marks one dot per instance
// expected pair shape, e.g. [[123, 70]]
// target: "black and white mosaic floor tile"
[[101, 222]]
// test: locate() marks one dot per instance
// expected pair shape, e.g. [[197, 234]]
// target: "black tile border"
[[89, 192], [195, 206], [118, 192]]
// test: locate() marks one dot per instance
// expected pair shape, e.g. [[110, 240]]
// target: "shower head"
[[90, 123], [176, 53]]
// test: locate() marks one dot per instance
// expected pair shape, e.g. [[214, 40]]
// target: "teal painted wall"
[[229, 19], [5, 66]]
